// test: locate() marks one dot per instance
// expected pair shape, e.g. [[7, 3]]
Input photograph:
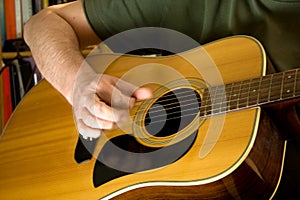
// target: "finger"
[[106, 114], [120, 100], [101, 110], [109, 92], [94, 122], [125, 87], [143, 93], [127, 94], [86, 131], [130, 90], [119, 93]]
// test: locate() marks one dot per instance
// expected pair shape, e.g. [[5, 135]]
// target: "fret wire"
[[248, 94], [283, 74], [210, 102], [264, 87], [253, 91], [203, 102], [271, 82], [276, 86], [221, 106], [233, 93], [229, 96], [243, 99], [295, 82], [213, 102], [234, 97], [239, 95], [259, 87], [223, 98], [289, 78], [207, 102], [203, 99], [226, 98], [298, 84]]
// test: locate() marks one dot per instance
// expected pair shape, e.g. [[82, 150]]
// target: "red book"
[[7, 101], [10, 19], [10, 27]]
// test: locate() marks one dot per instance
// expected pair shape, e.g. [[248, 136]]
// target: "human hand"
[[101, 102]]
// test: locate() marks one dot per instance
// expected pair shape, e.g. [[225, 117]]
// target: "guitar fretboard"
[[251, 92]]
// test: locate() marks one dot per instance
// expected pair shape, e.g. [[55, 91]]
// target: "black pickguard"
[[123, 155]]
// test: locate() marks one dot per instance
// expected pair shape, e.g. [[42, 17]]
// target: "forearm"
[[55, 37], [55, 48]]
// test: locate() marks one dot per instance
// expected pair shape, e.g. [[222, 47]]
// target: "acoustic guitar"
[[209, 132]]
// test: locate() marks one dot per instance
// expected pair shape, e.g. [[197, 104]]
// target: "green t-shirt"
[[275, 23]]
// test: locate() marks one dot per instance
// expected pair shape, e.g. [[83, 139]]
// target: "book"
[[45, 3], [7, 101], [10, 30], [2, 21], [36, 6], [10, 19], [18, 18], [27, 10]]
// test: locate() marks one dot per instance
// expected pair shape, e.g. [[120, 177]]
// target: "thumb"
[[142, 93], [133, 91]]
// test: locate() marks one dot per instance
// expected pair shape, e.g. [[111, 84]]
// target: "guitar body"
[[230, 155]]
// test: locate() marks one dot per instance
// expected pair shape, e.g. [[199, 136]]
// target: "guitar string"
[[172, 95], [251, 84], [257, 79], [236, 91], [216, 99], [212, 88], [209, 104], [211, 112]]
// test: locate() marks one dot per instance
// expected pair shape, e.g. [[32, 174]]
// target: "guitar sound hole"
[[172, 112]]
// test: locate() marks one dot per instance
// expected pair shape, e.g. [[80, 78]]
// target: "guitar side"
[[37, 146]]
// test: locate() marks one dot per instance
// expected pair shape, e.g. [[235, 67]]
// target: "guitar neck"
[[251, 93]]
